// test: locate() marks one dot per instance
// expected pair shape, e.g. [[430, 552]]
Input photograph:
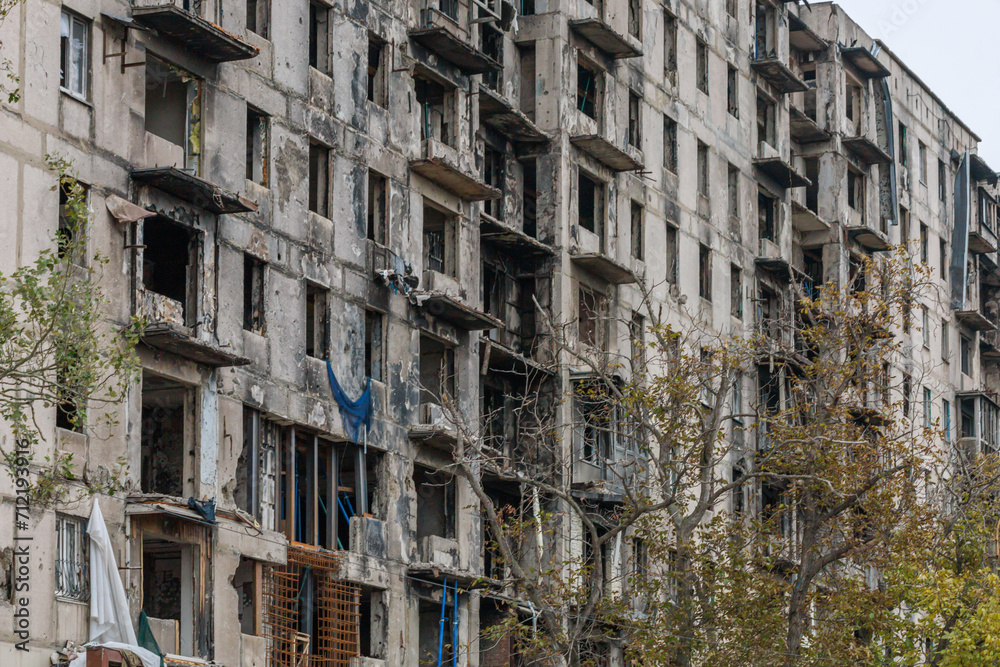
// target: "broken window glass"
[[317, 321], [253, 294], [173, 108], [257, 146], [74, 68]]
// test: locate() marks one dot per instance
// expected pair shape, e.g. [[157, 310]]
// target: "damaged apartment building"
[[407, 201]]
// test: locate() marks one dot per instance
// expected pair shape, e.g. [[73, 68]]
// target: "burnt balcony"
[[607, 153], [980, 171], [502, 116], [178, 20], [439, 163], [867, 236], [606, 38], [778, 73], [863, 62], [434, 429], [443, 36], [166, 331], [437, 297], [866, 150], [194, 190]]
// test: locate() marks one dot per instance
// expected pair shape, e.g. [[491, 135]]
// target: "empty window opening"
[[173, 108], [72, 230], [74, 70], [733, 189], [701, 58], [705, 272], [634, 120], [736, 291], [904, 158], [593, 423], [319, 36], [436, 107], [319, 179], [71, 413], [528, 92], [672, 254], [435, 502], [493, 175], [764, 31], [733, 92], [670, 144], [257, 146], [590, 197], [437, 371], [254, 271], [592, 318], [259, 17], [166, 436], [856, 191], [635, 18], [588, 89], [731, 7], [378, 89], [439, 241], [767, 213], [168, 271], [378, 207], [530, 198], [72, 558], [638, 229], [669, 47], [966, 354], [491, 44], [374, 344], [317, 321], [922, 155], [812, 190], [942, 181], [169, 579], [256, 468], [435, 632], [373, 612], [704, 185], [855, 107], [247, 582], [765, 120]]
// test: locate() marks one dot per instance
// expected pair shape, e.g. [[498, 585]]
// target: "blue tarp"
[[355, 414]]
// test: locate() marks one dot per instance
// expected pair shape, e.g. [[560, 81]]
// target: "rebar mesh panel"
[[337, 607]]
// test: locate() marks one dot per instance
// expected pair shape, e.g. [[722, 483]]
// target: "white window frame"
[[72, 558], [78, 89]]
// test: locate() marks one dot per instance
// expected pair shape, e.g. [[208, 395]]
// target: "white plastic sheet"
[[110, 621]]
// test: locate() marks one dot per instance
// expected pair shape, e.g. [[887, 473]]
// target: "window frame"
[[78, 589], [65, 51]]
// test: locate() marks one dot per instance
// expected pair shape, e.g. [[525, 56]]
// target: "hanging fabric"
[[354, 414]]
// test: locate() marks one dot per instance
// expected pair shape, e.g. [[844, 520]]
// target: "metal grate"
[[330, 636]]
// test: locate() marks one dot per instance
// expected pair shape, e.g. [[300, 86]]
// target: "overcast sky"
[[952, 46]]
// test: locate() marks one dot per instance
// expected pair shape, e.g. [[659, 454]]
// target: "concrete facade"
[[392, 186]]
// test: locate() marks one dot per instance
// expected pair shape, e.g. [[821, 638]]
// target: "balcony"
[[982, 232], [606, 38], [777, 73], [166, 331], [511, 240], [863, 62], [438, 298], [173, 20], [804, 128], [778, 169], [771, 259], [434, 429], [440, 164], [867, 237], [442, 35], [866, 150], [602, 266], [194, 190], [981, 172], [604, 151], [802, 37], [978, 424], [501, 115], [981, 311], [806, 220]]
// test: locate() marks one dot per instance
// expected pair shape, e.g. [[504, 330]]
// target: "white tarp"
[[110, 621]]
